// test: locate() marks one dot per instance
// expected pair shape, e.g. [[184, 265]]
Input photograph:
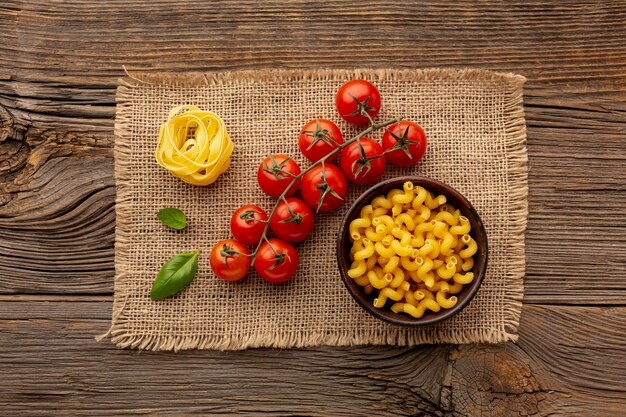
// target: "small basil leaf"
[[172, 217], [175, 275]]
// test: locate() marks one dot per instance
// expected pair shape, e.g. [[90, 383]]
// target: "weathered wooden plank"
[[576, 232], [567, 362], [556, 42]]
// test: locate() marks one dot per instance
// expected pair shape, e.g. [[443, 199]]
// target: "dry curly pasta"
[[414, 248]]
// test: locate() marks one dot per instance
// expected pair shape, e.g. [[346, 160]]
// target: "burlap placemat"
[[474, 121]]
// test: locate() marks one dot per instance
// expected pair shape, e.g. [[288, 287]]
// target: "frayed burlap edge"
[[515, 132], [196, 79], [517, 162]]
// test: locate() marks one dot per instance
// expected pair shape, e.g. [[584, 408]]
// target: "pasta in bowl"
[[412, 251]]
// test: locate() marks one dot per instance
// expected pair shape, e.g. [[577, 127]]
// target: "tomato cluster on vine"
[[323, 186]]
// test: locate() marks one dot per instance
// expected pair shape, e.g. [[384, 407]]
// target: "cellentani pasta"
[[413, 249], [193, 145]]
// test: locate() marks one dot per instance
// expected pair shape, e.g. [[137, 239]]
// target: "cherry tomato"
[[293, 221], [363, 161], [356, 97], [247, 224], [276, 263], [276, 173], [229, 260], [324, 189], [404, 143], [318, 138]]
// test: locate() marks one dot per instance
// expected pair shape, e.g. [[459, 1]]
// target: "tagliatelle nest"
[[194, 145]]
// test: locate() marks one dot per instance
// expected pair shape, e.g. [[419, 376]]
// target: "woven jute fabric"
[[475, 126]]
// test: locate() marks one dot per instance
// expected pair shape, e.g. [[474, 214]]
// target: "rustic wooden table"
[[59, 65]]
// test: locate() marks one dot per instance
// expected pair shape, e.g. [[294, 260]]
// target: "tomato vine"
[[295, 178]]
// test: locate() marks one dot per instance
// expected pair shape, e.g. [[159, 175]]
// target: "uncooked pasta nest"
[[194, 145]]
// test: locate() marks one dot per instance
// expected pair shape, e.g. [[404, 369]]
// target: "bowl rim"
[[398, 319]]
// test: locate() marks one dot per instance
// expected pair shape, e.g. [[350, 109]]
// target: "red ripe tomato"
[[276, 173], [355, 98], [247, 224], [323, 189], [404, 143], [276, 261], [363, 161], [293, 221], [230, 260], [318, 138]]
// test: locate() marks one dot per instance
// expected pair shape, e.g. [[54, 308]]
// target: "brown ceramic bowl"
[[457, 200]]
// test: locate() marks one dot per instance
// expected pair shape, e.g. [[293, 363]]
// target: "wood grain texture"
[[59, 64], [555, 42], [567, 362]]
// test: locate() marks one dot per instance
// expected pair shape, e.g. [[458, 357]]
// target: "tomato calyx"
[[402, 142], [325, 189], [277, 168], [363, 163], [293, 216], [319, 134], [362, 108], [248, 216], [227, 251], [279, 258]]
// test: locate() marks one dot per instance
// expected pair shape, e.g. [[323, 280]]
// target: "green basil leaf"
[[172, 217], [175, 275]]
